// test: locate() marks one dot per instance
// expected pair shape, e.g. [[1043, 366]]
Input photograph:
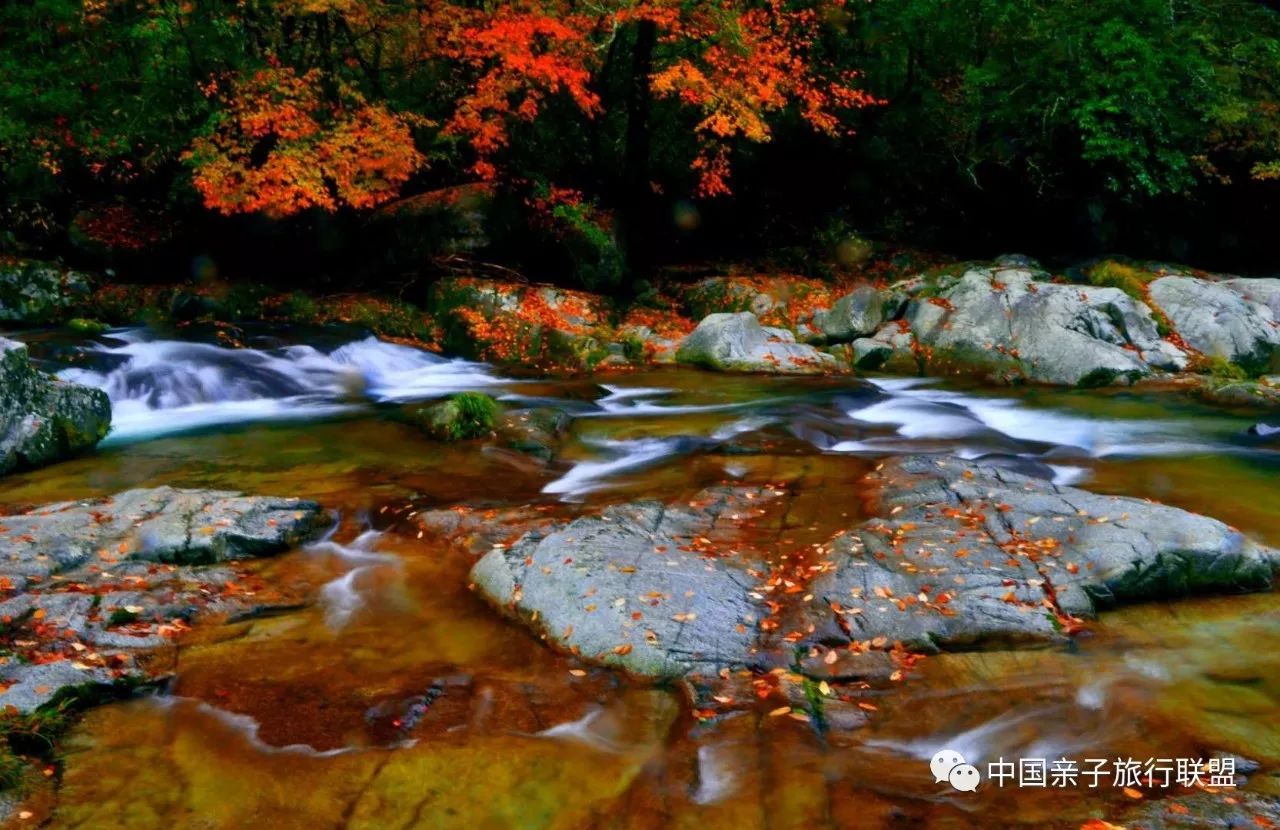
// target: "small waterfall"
[[164, 386]]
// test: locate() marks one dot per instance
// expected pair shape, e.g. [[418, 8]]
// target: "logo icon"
[[949, 766]]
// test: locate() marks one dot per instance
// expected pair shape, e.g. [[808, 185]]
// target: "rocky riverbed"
[[91, 587], [697, 591], [956, 555]]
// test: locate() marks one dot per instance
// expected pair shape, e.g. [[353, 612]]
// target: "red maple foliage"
[[284, 146], [735, 63]]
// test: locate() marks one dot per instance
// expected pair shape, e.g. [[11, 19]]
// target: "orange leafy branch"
[[284, 146]]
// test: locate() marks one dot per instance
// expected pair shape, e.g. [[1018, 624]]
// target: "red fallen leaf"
[[623, 649]]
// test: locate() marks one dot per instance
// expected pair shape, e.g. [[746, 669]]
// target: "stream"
[[398, 698]]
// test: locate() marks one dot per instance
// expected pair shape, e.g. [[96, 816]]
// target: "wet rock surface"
[[1207, 810], [632, 588], [43, 419], [968, 554], [88, 586], [962, 554]]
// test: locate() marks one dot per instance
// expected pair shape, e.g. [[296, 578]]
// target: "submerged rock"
[[963, 554], [536, 432], [43, 419], [88, 585], [1239, 393], [1206, 810], [738, 343]]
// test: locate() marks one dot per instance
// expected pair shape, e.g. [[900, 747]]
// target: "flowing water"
[[396, 698]]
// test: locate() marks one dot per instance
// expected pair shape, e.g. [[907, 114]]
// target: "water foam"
[[160, 387]]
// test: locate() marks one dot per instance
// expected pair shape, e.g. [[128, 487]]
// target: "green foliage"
[[101, 100], [597, 261], [12, 770], [83, 325], [32, 734], [120, 616], [1084, 98], [1218, 368], [298, 307], [36, 734], [1096, 105], [576, 236], [1130, 279]]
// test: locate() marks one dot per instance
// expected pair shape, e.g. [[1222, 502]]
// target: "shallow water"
[[398, 698]]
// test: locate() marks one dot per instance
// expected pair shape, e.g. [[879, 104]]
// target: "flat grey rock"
[[963, 555], [85, 586]]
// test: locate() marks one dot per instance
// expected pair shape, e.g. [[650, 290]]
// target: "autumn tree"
[[283, 145], [723, 71]]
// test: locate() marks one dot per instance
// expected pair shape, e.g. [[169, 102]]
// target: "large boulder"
[[86, 587], [961, 554], [1230, 320], [43, 419], [34, 293], [1257, 290], [738, 343], [1012, 323], [857, 314]]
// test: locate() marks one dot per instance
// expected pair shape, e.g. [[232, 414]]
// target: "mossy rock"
[[34, 293], [1133, 280], [83, 325], [463, 417]]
